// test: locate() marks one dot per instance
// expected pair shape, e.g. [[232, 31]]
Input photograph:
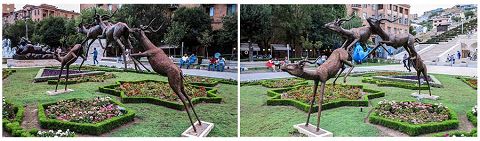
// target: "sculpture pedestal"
[[60, 91], [425, 96], [202, 130], [311, 130]]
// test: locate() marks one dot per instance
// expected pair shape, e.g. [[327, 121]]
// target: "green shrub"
[[416, 129], [84, 128], [472, 118], [275, 100], [212, 97], [384, 83], [13, 126]]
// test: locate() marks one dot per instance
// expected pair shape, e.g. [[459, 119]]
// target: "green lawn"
[[152, 120], [257, 119]]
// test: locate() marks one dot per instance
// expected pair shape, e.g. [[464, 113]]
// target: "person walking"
[[459, 55], [406, 62], [95, 54]]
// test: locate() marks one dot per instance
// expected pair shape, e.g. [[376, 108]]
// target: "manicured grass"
[[258, 119], [151, 120]]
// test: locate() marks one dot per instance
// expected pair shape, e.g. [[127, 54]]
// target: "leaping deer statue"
[[404, 40], [72, 55], [164, 66], [324, 72]]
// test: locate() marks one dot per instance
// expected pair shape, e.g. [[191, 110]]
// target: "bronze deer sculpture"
[[117, 32], [93, 32], [164, 66], [72, 55], [405, 40], [323, 73]]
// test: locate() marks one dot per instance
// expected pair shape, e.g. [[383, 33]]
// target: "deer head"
[[295, 69], [375, 23], [336, 25]]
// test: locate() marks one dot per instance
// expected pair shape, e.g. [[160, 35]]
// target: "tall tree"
[[255, 20], [16, 31], [51, 30], [175, 33], [197, 21]]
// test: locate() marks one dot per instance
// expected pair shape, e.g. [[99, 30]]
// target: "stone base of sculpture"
[[425, 96], [60, 91], [32, 63], [202, 130], [311, 130]]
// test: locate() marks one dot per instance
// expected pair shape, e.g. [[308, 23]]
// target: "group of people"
[[275, 64], [187, 60], [216, 64], [451, 58]]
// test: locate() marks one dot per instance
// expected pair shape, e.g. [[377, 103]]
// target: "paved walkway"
[[196, 72], [461, 71]]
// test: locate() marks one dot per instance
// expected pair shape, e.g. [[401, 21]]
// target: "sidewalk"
[[460, 71]]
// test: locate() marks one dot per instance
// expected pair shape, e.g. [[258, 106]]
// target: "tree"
[[412, 31], [255, 20], [51, 30], [206, 39], [175, 33], [226, 37], [469, 14], [16, 31], [197, 21]]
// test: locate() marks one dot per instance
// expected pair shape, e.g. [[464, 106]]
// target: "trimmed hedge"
[[212, 97], [264, 83], [8, 73], [275, 99], [468, 83], [14, 126], [84, 128], [251, 83], [383, 83], [212, 84], [472, 118], [472, 133], [416, 129], [229, 81]]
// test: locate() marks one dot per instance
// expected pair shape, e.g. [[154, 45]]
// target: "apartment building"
[[108, 7], [390, 11], [38, 13]]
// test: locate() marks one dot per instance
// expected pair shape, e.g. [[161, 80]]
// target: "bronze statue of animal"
[[333, 65], [72, 55]]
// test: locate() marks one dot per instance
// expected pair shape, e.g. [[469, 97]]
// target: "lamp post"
[[288, 52]]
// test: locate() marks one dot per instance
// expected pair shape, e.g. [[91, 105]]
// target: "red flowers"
[[159, 90]]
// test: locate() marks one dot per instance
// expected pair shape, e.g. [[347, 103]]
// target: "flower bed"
[[201, 81], [470, 82], [46, 74], [84, 78], [472, 133], [282, 83], [87, 116], [414, 118], [159, 93], [472, 115], [340, 95], [12, 116], [7, 72], [385, 83]]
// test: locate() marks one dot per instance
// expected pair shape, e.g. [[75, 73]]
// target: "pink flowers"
[[412, 112], [83, 111]]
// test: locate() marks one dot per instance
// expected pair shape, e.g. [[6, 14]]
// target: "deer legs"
[[349, 71], [338, 75], [182, 98], [320, 101], [59, 76], [191, 105], [424, 72], [313, 100]]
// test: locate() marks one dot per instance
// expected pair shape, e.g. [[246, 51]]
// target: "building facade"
[[7, 9], [389, 11], [38, 13], [108, 7]]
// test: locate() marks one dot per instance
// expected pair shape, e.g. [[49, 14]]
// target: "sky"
[[420, 8], [69, 7]]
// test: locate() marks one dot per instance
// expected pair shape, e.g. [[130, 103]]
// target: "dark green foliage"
[[84, 128], [416, 129], [384, 83], [212, 97], [472, 118], [275, 100]]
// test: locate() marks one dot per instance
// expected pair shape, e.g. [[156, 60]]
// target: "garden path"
[[31, 117]]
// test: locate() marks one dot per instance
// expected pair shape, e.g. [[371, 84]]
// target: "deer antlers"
[[148, 28]]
